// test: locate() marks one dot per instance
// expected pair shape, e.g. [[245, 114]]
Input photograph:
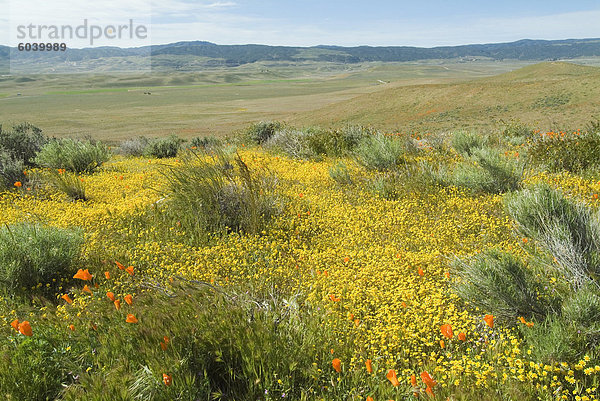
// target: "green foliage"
[[465, 142], [340, 174], [11, 170], [22, 142], [489, 171], [500, 283], [380, 152], [73, 155], [568, 230], [205, 142], [43, 360], [218, 195], [134, 146], [69, 183], [164, 147], [293, 143], [516, 133], [261, 132], [34, 258], [572, 152]]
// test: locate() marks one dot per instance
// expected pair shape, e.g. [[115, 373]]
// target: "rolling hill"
[[191, 56], [551, 95]]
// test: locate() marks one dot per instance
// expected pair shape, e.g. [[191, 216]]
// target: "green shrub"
[[572, 152], [164, 147], [292, 142], [134, 146], [261, 132], [516, 133], [466, 143], [22, 143], [568, 230], [33, 255], [11, 170], [340, 174], [386, 185], [218, 195], [205, 142], [489, 171], [73, 155], [70, 184], [380, 152], [500, 283]]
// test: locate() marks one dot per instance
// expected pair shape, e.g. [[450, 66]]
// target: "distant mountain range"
[[189, 56]]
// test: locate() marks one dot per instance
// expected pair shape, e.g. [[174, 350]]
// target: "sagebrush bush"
[[134, 146], [219, 194], [292, 142], [570, 151], [32, 255], [570, 231], [500, 283], [164, 147], [22, 142], [261, 132], [465, 142], [11, 170], [205, 142], [73, 155], [489, 171], [381, 152], [340, 174]]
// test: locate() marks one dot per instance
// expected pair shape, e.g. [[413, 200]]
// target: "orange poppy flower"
[[129, 270], [413, 380], [462, 336], [447, 331], [25, 328], [120, 266], [346, 259], [67, 298], [167, 379], [117, 304], [107, 275], [163, 345], [403, 304], [369, 398], [442, 344], [83, 275], [334, 298], [86, 289], [131, 319], [110, 296], [18, 184], [337, 365], [166, 339], [15, 324], [128, 298], [421, 272], [427, 379], [369, 366], [391, 376], [489, 320], [72, 327]]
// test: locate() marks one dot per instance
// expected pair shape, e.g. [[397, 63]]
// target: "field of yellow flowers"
[[379, 269]]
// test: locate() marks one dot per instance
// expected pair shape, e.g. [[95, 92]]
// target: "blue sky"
[[313, 22]]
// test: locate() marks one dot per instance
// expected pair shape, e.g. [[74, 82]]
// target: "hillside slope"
[[553, 95]]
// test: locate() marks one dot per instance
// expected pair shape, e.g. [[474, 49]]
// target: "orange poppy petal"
[[25, 329], [391, 376], [337, 365]]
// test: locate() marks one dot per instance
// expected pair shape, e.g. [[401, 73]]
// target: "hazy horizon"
[[312, 23]]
